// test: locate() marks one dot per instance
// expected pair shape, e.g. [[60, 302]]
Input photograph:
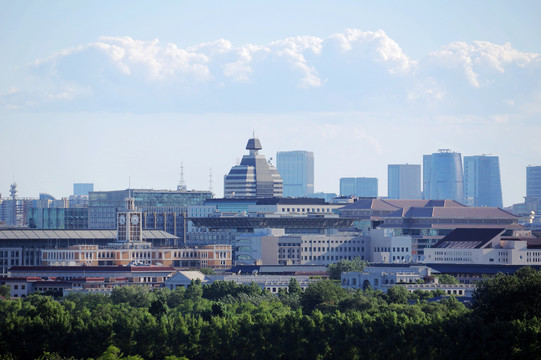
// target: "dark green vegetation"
[[228, 321], [336, 269]]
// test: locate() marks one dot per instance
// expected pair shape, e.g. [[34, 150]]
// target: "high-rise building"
[[427, 170], [482, 184], [254, 177], [297, 171], [533, 188], [443, 177], [82, 188], [533, 181], [361, 187], [404, 181]]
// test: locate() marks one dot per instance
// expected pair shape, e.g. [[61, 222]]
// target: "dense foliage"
[[336, 269], [225, 320]]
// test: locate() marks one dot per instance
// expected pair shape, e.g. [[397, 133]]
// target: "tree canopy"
[[335, 270], [324, 321]]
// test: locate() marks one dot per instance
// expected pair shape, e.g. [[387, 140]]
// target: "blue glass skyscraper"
[[297, 171], [533, 188], [482, 184], [443, 178]]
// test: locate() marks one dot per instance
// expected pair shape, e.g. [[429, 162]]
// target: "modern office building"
[[442, 176], [482, 184], [58, 218], [254, 177], [533, 189], [161, 209], [81, 189], [361, 187], [297, 171], [404, 181]]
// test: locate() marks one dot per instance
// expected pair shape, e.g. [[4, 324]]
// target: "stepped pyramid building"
[[254, 177]]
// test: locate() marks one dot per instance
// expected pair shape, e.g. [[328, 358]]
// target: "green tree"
[[447, 279], [398, 294], [135, 295], [324, 294], [158, 307], [335, 270], [5, 291], [207, 271], [509, 297], [194, 291], [294, 287], [114, 353]]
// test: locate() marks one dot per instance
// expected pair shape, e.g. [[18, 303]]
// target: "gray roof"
[[469, 238], [31, 234], [395, 204], [253, 144], [452, 212]]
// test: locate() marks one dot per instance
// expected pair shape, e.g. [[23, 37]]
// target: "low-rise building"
[[484, 246], [272, 283], [382, 278]]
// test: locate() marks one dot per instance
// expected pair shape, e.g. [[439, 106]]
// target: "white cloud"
[[375, 45], [480, 56], [354, 70]]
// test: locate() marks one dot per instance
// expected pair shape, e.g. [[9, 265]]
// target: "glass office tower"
[[533, 181], [533, 189], [443, 177], [297, 171], [482, 184], [404, 181]]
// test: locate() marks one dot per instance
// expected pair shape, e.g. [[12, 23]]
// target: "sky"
[[122, 93]]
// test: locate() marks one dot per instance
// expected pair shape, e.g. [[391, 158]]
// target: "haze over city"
[[121, 93]]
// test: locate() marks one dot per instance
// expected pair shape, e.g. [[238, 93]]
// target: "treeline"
[[228, 321]]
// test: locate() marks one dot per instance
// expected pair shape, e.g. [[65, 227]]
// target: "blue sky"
[[96, 91]]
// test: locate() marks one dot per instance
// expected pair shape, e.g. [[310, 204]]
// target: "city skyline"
[[121, 94]]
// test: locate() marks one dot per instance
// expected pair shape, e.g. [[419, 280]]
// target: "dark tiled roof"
[[472, 212], [476, 269], [468, 238]]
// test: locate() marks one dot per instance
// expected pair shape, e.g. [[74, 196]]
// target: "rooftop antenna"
[[181, 183], [210, 180]]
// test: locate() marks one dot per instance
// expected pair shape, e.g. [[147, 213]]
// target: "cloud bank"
[[354, 70]]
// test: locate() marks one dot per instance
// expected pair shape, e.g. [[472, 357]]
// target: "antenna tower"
[[181, 183], [210, 180]]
